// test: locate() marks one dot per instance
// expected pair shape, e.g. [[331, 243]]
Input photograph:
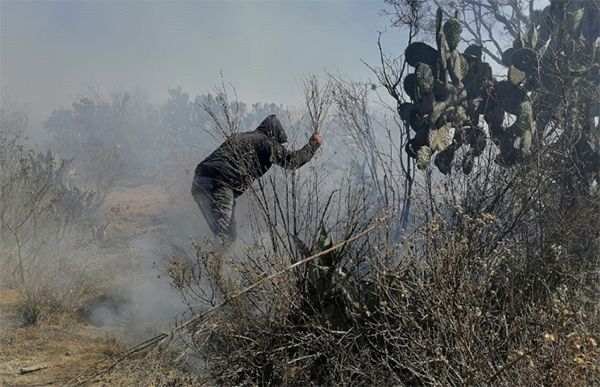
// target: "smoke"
[[139, 157], [142, 300]]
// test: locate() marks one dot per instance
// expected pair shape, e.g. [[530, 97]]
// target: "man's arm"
[[295, 159]]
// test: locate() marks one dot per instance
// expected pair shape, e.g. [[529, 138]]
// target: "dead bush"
[[45, 229], [493, 282]]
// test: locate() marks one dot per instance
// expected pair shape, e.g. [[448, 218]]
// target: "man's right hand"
[[316, 138]]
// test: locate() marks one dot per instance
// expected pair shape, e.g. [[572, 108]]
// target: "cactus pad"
[[405, 110], [515, 76], [410, 86], [420, 52], [423, 157], [443, 160], [440, 139], [424, 78], [452, 30], [473, 52], [525, 59], [452, 90]]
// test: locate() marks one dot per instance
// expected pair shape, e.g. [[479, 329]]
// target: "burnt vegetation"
[[458, 246]]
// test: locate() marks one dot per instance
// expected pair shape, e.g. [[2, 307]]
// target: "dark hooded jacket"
[[244, 157]]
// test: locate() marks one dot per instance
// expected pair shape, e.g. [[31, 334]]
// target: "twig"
[[27, 370], [510, 364], [318, 101]]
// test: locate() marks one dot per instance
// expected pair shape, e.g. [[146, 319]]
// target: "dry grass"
[[69, 348], [66, 347], [133, 210]]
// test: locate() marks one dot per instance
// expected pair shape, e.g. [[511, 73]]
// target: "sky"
[[51, 51]]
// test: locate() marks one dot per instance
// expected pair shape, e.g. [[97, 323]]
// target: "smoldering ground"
[[142, 299]]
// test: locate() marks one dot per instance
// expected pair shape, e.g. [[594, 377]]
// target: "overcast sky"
[[51, 51]]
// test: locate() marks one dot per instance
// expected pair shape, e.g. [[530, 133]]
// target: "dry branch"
[[318, 100], [27, 370]]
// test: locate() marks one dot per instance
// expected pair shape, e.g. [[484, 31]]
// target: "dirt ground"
[[69, 346], [66, 348]]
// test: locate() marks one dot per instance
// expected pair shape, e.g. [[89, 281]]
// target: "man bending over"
[[227, 172]]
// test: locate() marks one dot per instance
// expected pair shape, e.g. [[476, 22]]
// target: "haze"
[[50, 51]]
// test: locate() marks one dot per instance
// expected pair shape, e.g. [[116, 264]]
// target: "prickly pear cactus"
[[452, 31], [420, 53], [451, 91], [424, 77]]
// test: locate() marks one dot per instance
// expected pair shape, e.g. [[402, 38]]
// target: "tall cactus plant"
[[450, 91]]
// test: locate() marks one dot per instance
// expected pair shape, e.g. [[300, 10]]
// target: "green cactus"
[[426, 105], [452, 31], [406, 110], [423, 157], [533, 38], [442, 112], [509, 96], [455, 68], [525, 146], [325, 242], [327, 286], [440, 139], [460, 115], [507, 56], [443, 160], [474, 51], [420, 52], [524, 121], [440, 90], [439, 17], [525, 59], [451, 91], [418, 123], [515, 76], [411, 86], [424, 79]]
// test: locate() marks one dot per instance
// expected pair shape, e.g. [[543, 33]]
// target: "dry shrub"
[[494, 282], [431, 312], [46, 233]]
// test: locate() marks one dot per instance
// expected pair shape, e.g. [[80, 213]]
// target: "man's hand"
[[316, 138]]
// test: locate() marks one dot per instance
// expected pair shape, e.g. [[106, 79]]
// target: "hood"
[[273, 128]]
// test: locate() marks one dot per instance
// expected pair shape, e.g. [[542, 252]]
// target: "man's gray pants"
[[217, 203]]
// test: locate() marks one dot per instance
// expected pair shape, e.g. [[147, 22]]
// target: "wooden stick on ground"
[[26, 370]]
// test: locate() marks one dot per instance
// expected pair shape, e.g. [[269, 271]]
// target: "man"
[[227, 172]]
